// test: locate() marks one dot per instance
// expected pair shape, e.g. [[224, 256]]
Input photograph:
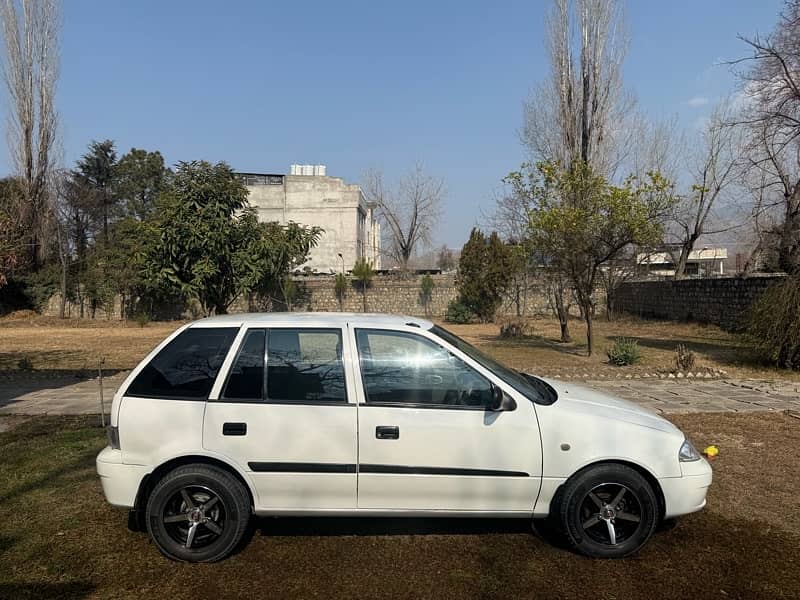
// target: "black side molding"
[[298, 467], [404, 470]]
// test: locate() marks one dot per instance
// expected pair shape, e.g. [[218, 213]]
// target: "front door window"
[[401, 368]]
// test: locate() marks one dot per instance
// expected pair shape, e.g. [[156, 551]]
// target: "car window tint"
[[403, 368], [187, 366], [305, 365], [246, 378]]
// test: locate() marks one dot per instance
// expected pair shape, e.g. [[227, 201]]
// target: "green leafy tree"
[[205, 242], [139, 177], [95, 170], [363, 273], [580, 222], [114, 271], [277, 250], [426, 286], [485, 271]]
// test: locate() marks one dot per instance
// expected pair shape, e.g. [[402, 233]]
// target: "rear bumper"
[[687, 494], [120, 481]]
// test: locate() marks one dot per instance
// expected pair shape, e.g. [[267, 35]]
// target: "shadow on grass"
[[740, 354], [368, 526], [24, 591], [48, 479]]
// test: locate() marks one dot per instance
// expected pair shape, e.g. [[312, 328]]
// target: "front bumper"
[[687, 494], [120, 481]]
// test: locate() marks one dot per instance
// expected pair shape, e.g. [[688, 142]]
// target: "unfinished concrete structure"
[[308, 196]]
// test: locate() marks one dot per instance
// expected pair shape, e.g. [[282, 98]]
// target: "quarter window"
[[403, 368], [305, 365], [246, 379], [187, 367]]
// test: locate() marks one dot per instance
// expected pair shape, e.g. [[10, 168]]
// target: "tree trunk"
[[565, 336], [589, 331], [364, 298], [686, 250], [561, 314]]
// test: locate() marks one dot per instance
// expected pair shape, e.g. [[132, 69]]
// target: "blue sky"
[[357, 84]]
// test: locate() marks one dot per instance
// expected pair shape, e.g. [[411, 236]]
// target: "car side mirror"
[[501, 401]]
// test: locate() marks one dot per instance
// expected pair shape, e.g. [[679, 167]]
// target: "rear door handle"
[[234, 429], [387, 432]]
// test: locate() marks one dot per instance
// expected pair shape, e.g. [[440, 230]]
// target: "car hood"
[[579, 398]]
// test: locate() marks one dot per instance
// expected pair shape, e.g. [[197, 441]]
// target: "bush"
[[684, 358], [25, 364], [515, 327], [624, 351], [142, 319], [774, 324], [458, 313]]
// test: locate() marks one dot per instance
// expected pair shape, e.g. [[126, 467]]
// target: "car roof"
[[313, 319]]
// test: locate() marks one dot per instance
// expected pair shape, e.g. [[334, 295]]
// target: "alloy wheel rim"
[[610, 514], [194, 516]]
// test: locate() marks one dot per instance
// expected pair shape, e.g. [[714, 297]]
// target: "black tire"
[[203, 500], [607, 511]]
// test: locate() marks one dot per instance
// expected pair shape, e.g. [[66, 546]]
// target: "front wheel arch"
[[648, 476]]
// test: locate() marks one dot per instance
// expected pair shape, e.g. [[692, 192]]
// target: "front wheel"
[[608, 511], [198, 513]]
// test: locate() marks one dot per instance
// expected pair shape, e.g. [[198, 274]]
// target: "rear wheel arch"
[[136, 520]]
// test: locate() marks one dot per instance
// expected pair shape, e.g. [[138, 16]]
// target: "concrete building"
[[308, 196], [705, 262]]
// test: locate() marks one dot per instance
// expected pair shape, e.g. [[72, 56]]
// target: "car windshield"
[[529, 386]]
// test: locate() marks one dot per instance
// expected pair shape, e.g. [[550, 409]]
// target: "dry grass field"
[[59, 539], [49, 343]]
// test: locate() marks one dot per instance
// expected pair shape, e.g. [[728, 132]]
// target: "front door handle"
[[234, 429], [387, 432]]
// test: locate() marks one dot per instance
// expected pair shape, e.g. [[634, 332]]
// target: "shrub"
[[340, 288], [624, 351], [515, 327], [774, 324], [684, 358], [25, 364], [458, 313], [142, 319]]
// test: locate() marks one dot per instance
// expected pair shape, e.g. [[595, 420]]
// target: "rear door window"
[[305, 366], [186, 368]]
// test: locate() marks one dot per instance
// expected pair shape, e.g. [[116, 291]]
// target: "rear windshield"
[[186, 368], [529, 386]]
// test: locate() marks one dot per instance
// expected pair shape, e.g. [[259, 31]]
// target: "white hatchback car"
[[358, 414]]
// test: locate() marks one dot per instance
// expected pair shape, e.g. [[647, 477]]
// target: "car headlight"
[[687, 453]]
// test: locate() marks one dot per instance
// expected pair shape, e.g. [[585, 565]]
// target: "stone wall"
[[387, 294], [722, 301]]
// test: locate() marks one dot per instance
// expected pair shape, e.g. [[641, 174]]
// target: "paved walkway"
[[68, 395]]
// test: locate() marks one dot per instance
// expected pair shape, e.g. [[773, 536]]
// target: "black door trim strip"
[[298, 467], [404, 470]]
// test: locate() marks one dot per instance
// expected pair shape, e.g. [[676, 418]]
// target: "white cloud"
[[698, 101]]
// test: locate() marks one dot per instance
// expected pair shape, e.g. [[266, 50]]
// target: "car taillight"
[[113, 437]]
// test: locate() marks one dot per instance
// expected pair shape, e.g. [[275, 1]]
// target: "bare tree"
[[30, 69], [581, 112], [713, 167], [771, 113], [408, 212]]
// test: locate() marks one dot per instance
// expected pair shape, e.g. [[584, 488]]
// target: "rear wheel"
[[198, 513], [607, 511]]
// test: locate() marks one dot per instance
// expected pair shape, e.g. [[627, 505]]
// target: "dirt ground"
[[49, 343], [58, 537]]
